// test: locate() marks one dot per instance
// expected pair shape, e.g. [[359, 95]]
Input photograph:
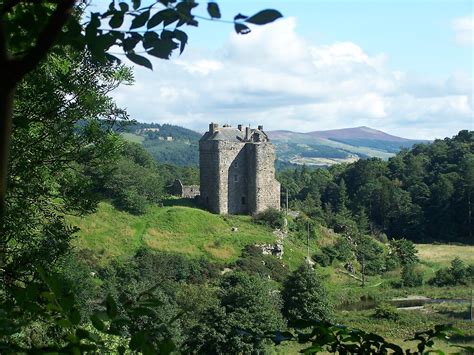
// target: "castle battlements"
[[237, 170]]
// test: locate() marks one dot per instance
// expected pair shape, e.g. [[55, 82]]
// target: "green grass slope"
[[191, 231]]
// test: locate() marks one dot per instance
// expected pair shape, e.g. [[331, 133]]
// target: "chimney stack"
[[247, 133], [260, 128], [213, 127]]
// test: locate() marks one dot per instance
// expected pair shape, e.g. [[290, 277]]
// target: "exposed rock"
[[225, 271], [272, 249]]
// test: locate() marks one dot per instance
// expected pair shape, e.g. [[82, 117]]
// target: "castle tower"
[[237, 170]]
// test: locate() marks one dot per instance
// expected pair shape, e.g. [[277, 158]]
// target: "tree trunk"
[[6, 104]]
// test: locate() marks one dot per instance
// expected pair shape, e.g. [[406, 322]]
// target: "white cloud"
[[464, 30], [276, 78]]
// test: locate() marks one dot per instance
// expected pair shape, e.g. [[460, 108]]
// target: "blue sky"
[[404, 67], [417, 35]]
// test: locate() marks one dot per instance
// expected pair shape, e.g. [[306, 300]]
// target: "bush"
[[343, 250], [322, 259], [456, 274], [411, 276], [253, 261], [271, 217], [404, 250], [386, 311], [131, 202]]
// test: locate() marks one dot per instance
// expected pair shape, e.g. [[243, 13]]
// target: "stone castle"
[[237, 170]]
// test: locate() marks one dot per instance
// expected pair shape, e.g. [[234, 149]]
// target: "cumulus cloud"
[[464, 30], [276, 78]]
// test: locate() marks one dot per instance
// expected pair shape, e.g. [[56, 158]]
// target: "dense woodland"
[[424, 194], [181, 150]]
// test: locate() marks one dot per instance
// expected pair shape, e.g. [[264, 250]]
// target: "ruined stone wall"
[[237, 194], [263, 186], [209, 175], [190, 191], [232, 182]]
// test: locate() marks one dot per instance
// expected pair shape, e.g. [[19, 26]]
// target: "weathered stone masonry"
[[237, 170]]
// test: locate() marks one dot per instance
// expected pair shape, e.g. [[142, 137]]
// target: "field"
[[134, 138], [442, 254]]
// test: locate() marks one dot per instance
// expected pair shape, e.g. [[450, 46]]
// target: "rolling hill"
[[177, 145], [323, 148]]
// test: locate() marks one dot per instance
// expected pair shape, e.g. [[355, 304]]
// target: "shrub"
[[470, 272], [411, 276], [404, 250], [386, 311], [330, 252], [343, 250], [322, 259], [271, 217], [130, 201], [456, 274], [253, 261]]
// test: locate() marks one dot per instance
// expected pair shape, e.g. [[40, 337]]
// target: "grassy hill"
[[190, 231]]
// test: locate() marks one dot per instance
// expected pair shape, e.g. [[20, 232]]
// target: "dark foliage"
[[305, 298], [247, 309], [253, 261], [271, 217], [422, 194], [457, 274]]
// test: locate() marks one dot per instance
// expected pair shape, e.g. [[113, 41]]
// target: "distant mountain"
[[322, 148], [177, 145], [362, 132]]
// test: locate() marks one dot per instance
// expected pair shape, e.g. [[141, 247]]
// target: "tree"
[[404, 250], [370, 255], [30, 30], [305, 298], [411, 276], [63, 147], [135, 182], [247, 309]]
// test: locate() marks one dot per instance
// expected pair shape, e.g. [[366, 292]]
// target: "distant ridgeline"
[[179, 146], [347, 145], [167, 143]]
